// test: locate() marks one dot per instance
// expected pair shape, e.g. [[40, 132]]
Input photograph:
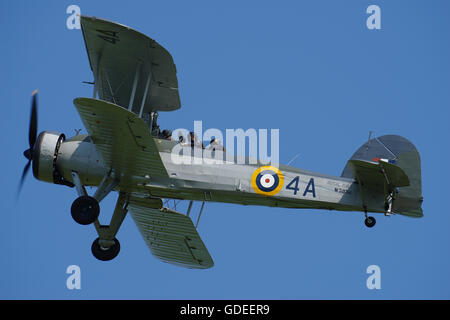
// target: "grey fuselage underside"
[[228, 182]]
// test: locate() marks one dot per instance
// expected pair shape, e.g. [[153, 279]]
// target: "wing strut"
[[199, 215], [189, 208], [147, 85], [133, 91]]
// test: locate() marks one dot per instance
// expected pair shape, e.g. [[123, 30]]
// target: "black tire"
[[105, 254], [370, 222], [85, 210]]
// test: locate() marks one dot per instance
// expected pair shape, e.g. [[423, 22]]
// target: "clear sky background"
[[309, 68]]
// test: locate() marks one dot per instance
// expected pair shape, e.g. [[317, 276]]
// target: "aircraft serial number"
[[341, 190]]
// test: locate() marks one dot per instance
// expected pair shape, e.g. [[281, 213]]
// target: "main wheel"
[[105, 254], [370, 222], [85, 210]]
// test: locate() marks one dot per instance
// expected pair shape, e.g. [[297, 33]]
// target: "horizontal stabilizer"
[[389, 163], [377, 175]]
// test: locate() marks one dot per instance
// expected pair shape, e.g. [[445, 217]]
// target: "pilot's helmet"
[[215, 141], [166, 133], [180, 136]]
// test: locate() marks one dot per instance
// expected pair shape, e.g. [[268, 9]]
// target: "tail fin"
[[398, 150]]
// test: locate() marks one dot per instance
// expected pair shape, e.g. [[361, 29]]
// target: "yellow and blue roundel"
[[267, 180]]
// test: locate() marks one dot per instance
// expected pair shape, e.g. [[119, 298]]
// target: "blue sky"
[[309, 68]]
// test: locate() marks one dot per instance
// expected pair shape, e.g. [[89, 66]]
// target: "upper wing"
[[122, 138], [130, 69], [170, 235]]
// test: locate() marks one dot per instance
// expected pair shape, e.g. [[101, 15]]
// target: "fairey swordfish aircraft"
[[134, 79]]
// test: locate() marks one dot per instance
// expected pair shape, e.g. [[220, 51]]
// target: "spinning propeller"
[[32, 134]]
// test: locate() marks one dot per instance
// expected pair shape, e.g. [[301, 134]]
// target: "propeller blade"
[[24, 174], [32, 132]]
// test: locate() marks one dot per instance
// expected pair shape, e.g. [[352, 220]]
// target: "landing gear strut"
[[85, 210], [106, 246], [369, 221]]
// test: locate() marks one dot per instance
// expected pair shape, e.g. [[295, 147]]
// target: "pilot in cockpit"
[[194, 142], [216, 145], [166, 134], [181, 137]]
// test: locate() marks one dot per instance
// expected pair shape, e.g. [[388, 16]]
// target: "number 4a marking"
[[293, 185], [295, 188]]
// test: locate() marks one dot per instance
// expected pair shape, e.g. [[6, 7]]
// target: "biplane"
[[135, 79]]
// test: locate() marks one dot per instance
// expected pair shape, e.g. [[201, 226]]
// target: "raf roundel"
[[267, 180]]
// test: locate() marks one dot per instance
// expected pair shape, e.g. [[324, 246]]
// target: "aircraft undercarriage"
[[85, 210]]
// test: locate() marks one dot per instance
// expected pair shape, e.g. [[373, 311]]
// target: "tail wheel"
[[370, 222], [85, 210], [105, 254]]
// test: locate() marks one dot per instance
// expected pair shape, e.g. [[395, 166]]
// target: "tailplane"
[[394, 151]]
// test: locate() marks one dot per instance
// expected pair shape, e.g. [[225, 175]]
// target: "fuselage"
[[227, 181]]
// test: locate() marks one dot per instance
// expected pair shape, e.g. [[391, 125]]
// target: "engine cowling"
[[45, 154]]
